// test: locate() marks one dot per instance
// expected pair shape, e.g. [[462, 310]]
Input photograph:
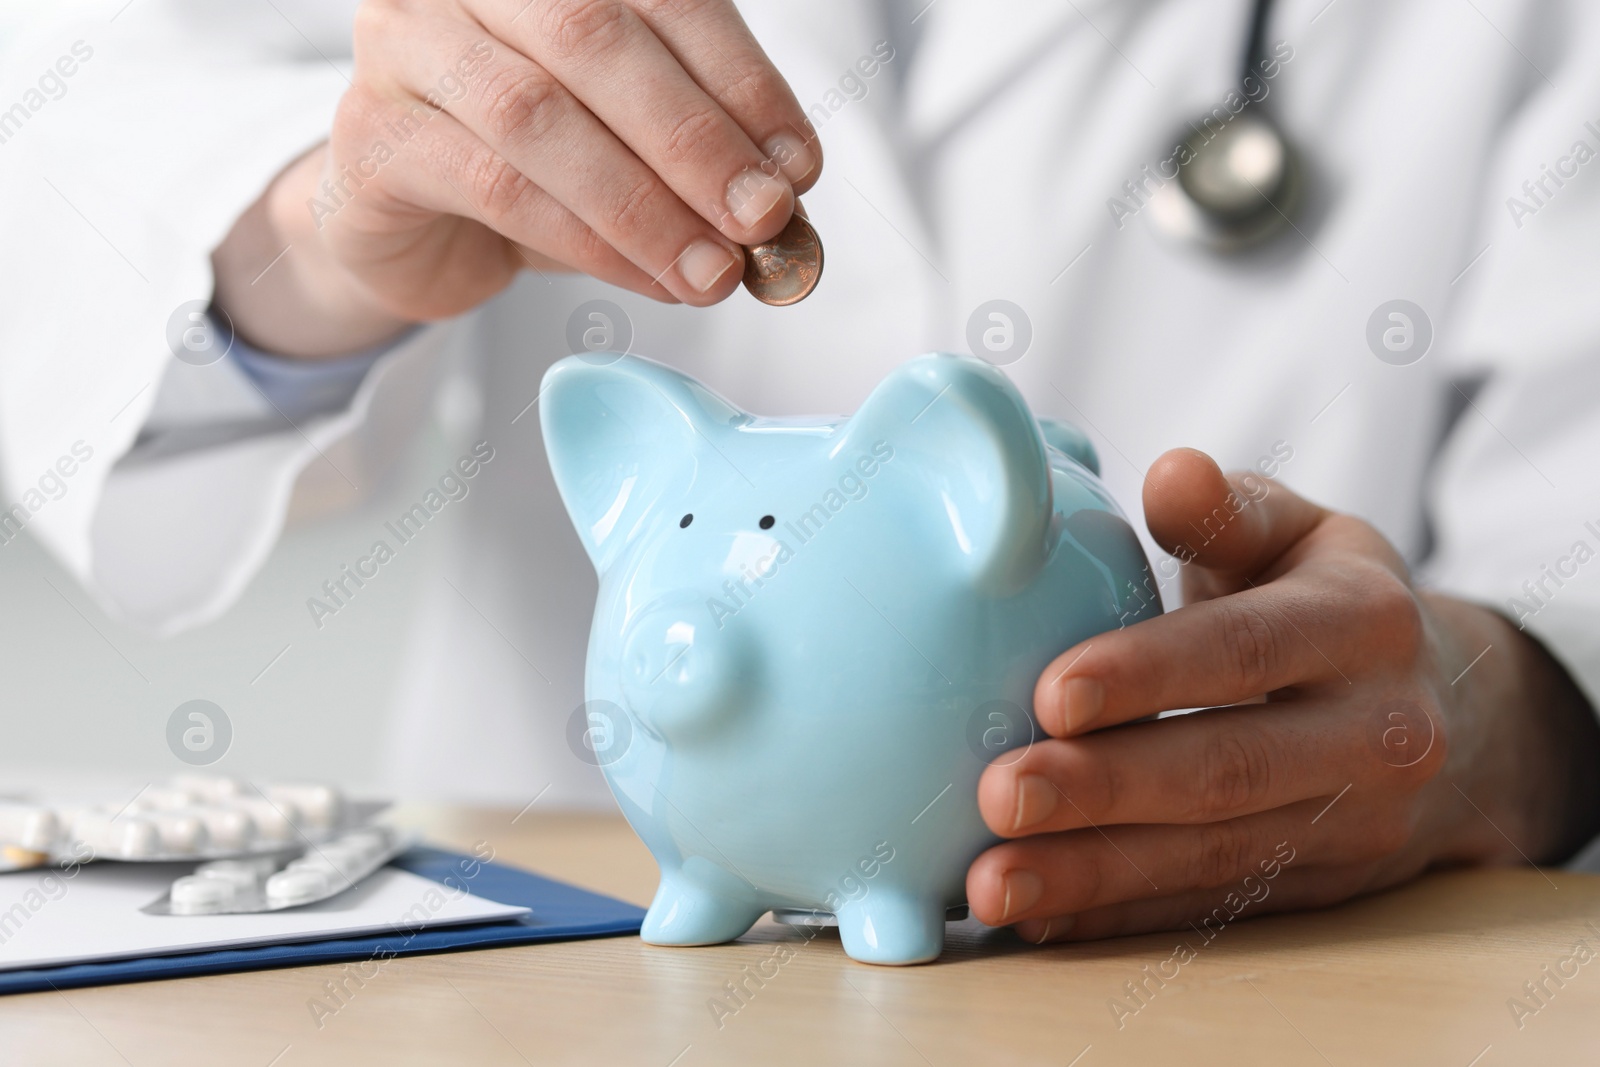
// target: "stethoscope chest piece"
[[1238, 185]]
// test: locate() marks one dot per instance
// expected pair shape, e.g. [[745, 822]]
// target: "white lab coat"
[[982, 167]]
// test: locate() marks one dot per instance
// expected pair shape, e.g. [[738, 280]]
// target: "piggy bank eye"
[[686, 520], [767, 521]]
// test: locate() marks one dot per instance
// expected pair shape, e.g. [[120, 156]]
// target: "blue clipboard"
[[560, 912]]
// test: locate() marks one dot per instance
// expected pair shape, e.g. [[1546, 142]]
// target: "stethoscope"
[[1239, 184]]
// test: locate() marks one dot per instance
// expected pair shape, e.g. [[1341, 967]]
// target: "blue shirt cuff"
[[303, 388]]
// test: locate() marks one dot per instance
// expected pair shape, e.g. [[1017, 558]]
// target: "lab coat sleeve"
[[191, 513], [117, 180], [1516, 500]]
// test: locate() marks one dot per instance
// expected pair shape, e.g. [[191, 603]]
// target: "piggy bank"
[[812, 634]]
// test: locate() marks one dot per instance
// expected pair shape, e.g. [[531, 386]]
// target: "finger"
[[551, 140], [712, 42], [1199, 768], [1322, 625], [1242, 529], [610, 60], [1204, 914], [1238, 525], [506, 214], [1063, 874]]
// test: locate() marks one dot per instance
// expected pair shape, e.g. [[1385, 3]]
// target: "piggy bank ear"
[[1071, 442], [961, 431], [622, 437]]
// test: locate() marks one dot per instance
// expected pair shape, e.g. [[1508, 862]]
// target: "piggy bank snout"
[[680, 675]]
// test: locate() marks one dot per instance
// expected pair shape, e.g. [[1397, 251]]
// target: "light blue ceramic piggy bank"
[[812, 634]]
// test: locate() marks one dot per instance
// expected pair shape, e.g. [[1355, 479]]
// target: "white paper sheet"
[[48, 919]]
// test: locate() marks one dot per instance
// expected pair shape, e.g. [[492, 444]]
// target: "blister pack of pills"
[[190, 817], [272, 883]]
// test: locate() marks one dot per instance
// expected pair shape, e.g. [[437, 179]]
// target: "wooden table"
[[1422, 975]]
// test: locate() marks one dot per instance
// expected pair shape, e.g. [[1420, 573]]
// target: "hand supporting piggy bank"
[[812, 634]]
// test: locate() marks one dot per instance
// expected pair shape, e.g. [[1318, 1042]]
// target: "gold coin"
[[784, 270]]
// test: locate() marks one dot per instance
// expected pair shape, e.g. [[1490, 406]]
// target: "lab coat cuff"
[[245, 392], [182, 528], [1569, 633]]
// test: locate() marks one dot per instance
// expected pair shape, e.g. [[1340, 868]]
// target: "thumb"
[[1236, 524]]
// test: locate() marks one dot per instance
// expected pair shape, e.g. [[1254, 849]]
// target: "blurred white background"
[[75, 705]]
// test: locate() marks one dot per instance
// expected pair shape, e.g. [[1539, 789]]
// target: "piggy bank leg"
[[699, 904], [893, 927]]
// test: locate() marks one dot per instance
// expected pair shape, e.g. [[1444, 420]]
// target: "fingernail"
[[1082, 701], [1036, 801], [1023, 890], [752, 194], [794, 157], [704, 262]]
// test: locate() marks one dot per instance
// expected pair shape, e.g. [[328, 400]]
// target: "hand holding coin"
[[618, 139]]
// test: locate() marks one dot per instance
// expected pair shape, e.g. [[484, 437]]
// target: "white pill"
[[92, 827], [240, 874], [164, 798], [126, 836], [71, 818], [134, 837], [274, 822], [180, 832], [28, 826], [198, 895], [318, 806], [298, 886], [230, 827]]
